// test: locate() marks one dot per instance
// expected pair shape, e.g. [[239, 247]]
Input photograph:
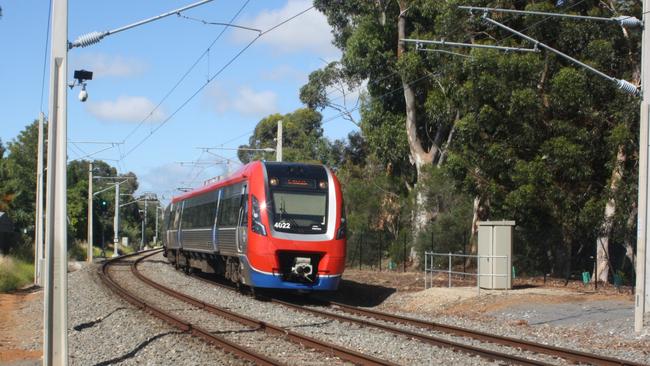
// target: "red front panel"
[[264, 251]]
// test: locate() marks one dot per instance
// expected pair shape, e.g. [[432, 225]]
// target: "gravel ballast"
[[368, 340], [102, 330]]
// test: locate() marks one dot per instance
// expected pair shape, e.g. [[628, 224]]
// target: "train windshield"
[[300, 212]]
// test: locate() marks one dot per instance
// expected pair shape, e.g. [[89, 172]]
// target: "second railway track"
[[231, 330], [502, 349]]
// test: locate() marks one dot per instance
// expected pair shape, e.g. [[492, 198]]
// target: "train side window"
[[177, 216]]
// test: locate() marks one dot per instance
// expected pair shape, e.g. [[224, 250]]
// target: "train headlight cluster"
[[257, 226]]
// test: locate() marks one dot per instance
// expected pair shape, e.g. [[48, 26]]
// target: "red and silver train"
[[269, 225]]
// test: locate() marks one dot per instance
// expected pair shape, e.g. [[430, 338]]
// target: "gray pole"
[[89, 256], [157, 208], [116, 222], [55, 343], [38, 234], [144, 223], [641, 292], [278, 148]]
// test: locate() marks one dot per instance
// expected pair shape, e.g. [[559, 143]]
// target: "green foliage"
[[535, 138], [17, 197], [449, 230], [15, 273], [303, 139]]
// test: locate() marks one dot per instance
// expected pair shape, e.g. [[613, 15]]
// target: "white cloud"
[[125, 109], [243, 100], [103, 65], [284, 73], [164, 179], [309, 31]]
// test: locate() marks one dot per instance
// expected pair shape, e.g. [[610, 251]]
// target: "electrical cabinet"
[[495, 254]]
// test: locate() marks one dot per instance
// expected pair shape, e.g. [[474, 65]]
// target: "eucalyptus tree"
[[547, 143]]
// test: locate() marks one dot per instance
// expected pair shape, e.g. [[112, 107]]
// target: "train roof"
[[235, 177]]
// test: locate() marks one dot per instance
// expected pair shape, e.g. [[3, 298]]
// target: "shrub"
[[14, 273]]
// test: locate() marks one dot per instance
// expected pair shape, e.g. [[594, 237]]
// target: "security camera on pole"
[[55, 317]]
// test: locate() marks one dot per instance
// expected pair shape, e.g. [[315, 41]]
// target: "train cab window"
[[300, 212]]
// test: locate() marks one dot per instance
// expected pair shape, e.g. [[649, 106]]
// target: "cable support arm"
[[266, 149], [623, 20], [91, 38], [111, 187], [420, 42], [624, 85], [132, 202]]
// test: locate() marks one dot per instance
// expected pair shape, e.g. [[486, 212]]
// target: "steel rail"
[[224, 344], [436, 341], [325, 347], [570, 355]]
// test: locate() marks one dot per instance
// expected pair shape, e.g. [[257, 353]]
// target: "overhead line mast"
[[642, 289]]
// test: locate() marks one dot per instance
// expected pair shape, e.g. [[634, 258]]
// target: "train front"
[[297, 232]]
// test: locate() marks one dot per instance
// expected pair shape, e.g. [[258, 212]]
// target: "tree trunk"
[[602, 243], [418, 156]]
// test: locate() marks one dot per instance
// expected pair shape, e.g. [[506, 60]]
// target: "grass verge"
[[14, 273]]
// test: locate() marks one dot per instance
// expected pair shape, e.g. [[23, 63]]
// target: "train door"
[[175, 218], [242, 221], [215, 230]]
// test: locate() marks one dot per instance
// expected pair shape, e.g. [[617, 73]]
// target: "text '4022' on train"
[[269, 225]]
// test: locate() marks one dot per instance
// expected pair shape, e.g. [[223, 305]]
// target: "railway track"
[[360, 316], [221, 342]]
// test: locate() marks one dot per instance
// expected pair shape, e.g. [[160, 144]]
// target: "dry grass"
[[14, 273]]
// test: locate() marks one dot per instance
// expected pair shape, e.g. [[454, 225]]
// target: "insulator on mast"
[[628, 21], [627, 87], [88, 39]]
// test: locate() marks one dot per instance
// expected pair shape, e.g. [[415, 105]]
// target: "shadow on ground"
[[360, 294]]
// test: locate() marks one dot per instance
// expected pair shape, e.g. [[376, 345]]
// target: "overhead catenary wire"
[[219, 23], [182, 78], [47, 42], [224, 67]]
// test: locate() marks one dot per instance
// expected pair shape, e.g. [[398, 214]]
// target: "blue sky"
[[135, 69]]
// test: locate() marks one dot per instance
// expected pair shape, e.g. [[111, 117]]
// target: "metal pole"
[[55, 345], [38, 234], [379, 255], [89, 256], [426, 267], [623, 20], [641, 304], [419, 42], [144, 223], [449, 271], [478, 274], [278, 147], [404, 253], [116, 222], [156, 240], [360, 250]]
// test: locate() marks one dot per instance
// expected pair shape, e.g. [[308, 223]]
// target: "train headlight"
[[257, 226], [341, 233], [322, 184]]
